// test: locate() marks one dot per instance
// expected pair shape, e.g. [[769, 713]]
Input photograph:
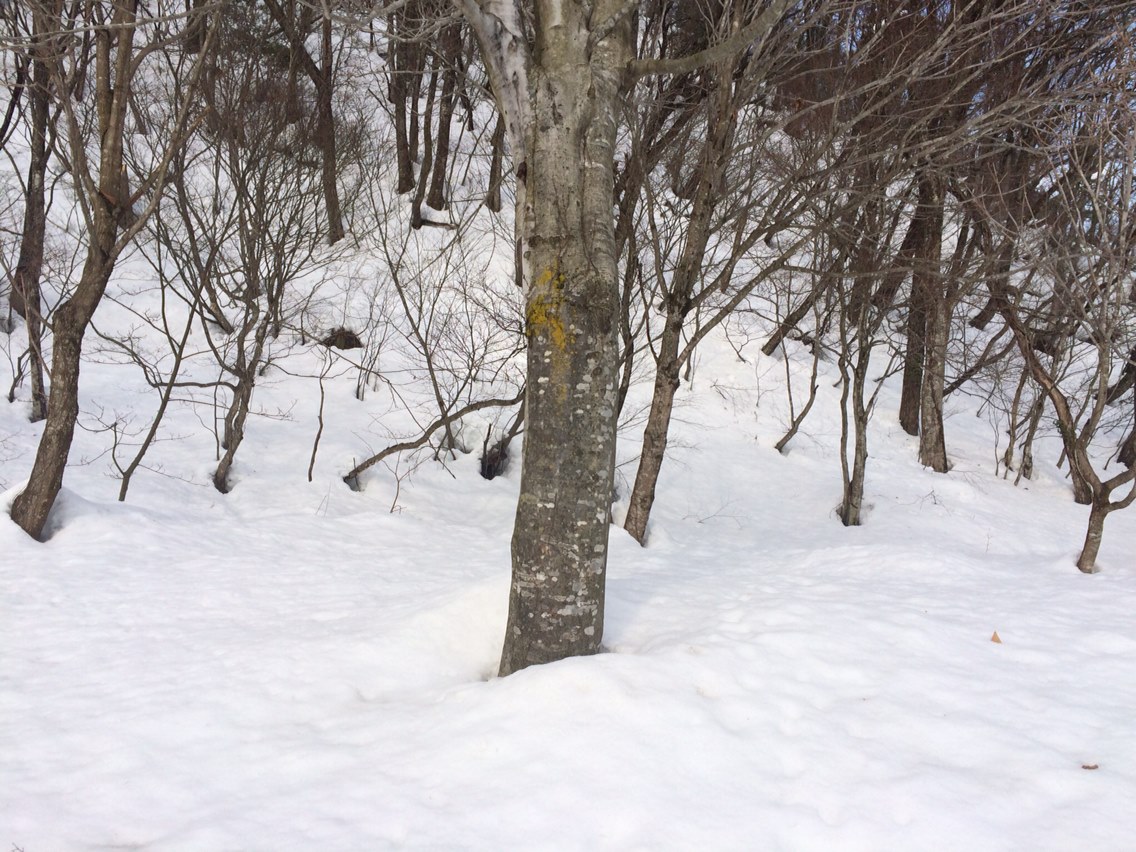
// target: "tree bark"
[[786, 326], [920, 304], [851, 507], [1127, 454], [496, 167], [451, 56], [560, 539], [399, 86], [26, 297], [1087, 561], [706, 195], [325, 89], [246, 372], [31, 508], [114, 54], [936, 332], [416, 219], [655, 434]]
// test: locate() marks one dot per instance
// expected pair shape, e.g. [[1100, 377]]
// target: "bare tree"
[[1089, 258], [455, 340], [298, 20], [240, 228], [112, 214], [26, 294], [557, 79], [741, 222]]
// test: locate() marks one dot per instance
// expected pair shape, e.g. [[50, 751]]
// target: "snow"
[[294, 665], [298, 666]]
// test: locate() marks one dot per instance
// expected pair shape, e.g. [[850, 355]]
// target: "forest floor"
[[296, 666]]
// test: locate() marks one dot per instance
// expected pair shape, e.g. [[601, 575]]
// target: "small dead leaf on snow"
[[1090, 766], [995, 638]]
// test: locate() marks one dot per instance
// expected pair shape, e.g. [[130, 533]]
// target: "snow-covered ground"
[[295, 666]]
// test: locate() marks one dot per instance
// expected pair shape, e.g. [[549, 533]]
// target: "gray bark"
[[560, 99], [111, 225], [560, 539], [936, 330], [918, 244], [31, 508], [26, 297], [1087, 561], [655, 432], [708, 192]]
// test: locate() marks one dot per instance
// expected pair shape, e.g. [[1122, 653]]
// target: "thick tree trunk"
[[403, 154], [32, 506], [1087, 561], [560, 539], [1082, 488], [932, 436]]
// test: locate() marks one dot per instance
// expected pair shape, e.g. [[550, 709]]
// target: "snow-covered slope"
[[296, 666]]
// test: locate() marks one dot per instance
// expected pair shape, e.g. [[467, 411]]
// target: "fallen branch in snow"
[[352, 478]]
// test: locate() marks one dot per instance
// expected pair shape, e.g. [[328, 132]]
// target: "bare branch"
[[757, 30]]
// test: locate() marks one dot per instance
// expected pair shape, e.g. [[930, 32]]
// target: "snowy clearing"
[[293, 666]]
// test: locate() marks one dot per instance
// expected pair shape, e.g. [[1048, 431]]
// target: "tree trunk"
[[451, 56], [114, 50], [325, 130], [26, 299], [852, 506], [936, 333], [932, 436], [655, 433], [707, 194], [1127, 454], [32, 506], [398, 95], [1087, 561], [237, 415], [1127, 379], [1082, 488], [496, 168], [1025, 469], [920, 306], [196, 25], [560, 539], [790, 322], [416, 219], [910, 396]]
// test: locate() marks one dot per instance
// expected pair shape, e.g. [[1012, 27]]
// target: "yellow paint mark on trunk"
[[545, 321]]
